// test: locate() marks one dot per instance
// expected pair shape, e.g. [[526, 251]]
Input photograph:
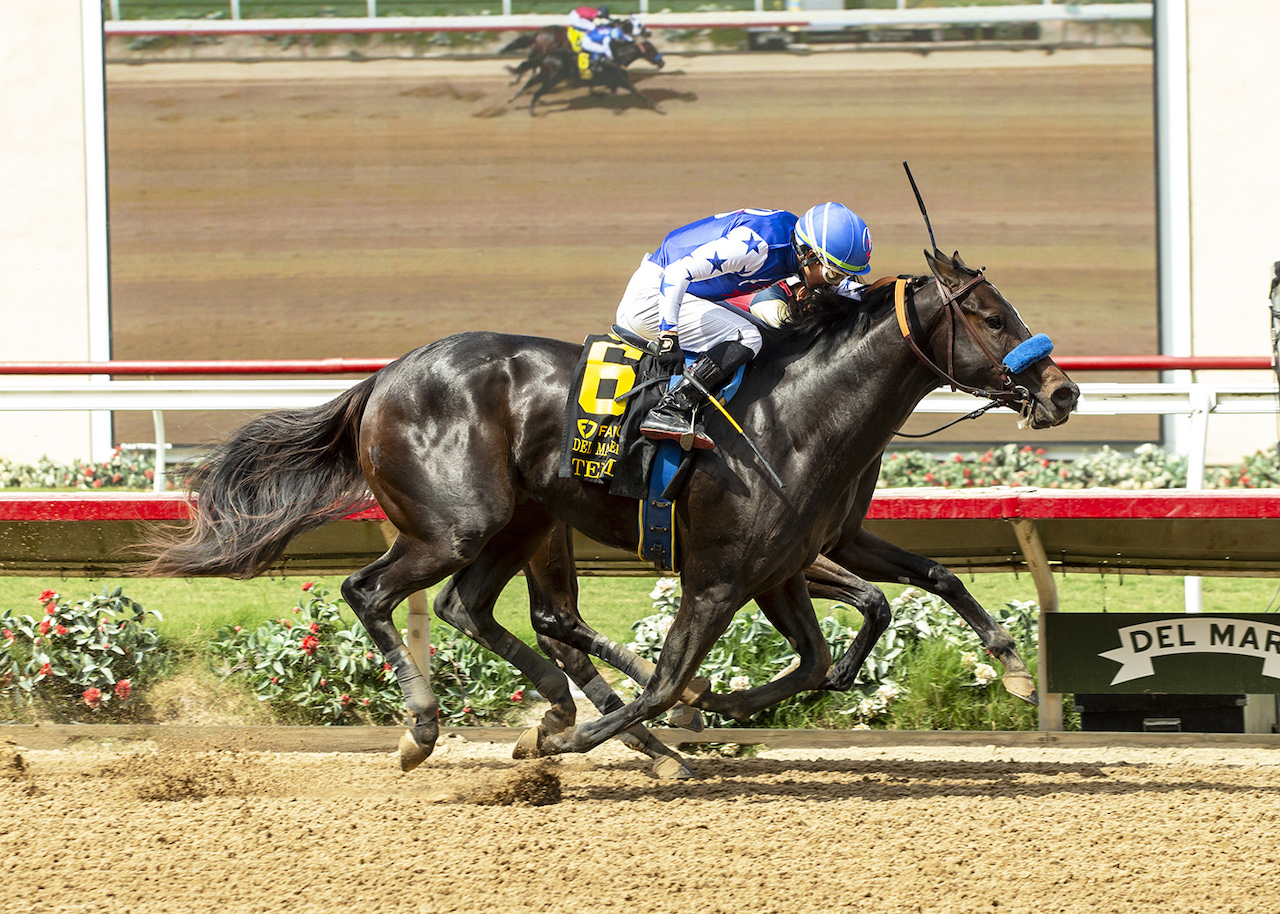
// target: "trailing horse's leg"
[[467, 603], [879, 560], [791, 611], [705, 612], [553, 597], [829, 581]]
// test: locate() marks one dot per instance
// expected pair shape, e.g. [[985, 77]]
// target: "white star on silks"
[[717, 263]]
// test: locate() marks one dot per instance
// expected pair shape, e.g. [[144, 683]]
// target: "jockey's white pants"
[[702, 323]]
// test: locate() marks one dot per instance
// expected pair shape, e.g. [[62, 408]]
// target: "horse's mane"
[[827, 315]]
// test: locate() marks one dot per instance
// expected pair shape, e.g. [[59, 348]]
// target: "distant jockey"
[[680, 295], [585, 18]]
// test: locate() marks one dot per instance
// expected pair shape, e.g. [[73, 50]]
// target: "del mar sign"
[[1179, 653]]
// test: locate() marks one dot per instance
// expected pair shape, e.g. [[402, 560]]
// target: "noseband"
[[1012, 395]]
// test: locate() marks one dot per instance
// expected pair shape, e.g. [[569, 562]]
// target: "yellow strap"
[[900, 306]]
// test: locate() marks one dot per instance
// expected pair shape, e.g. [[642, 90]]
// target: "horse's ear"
[[955, 258]]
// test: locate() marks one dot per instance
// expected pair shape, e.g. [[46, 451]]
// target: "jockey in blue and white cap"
[[679, 296], [599, 41]]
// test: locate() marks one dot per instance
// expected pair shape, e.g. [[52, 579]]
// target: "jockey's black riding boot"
[[675, 416]]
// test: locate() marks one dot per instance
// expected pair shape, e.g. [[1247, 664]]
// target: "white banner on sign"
[[1140, 644]]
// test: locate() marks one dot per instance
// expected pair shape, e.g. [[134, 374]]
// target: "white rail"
[[756, 18], [1197, 400]]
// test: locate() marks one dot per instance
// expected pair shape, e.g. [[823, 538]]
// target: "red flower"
[[44, 627], [150, 474], [97, 483], [368, 655], [308, 585], [51, 608], [364, 701], [47, 595], [88, 471], [123, 688], [275, 680], [61, 629], [92, 697], [387, 666], [517, 695], [45, 670], [315, 627], [309, 644], [346, 699], [116, 477], [10, 635]]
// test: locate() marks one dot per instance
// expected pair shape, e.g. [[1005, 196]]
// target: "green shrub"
[[312, 666], [122, 470], [87, 661]]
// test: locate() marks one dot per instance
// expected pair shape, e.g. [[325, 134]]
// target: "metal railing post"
[[157, 481]]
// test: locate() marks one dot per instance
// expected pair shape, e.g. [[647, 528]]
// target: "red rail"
[[894, 504], [367, 366]]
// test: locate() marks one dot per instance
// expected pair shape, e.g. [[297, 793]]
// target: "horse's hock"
[[884, 829]]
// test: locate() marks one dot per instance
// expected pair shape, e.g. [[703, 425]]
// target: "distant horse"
[[459, 443], [561, 66], [555, 38]]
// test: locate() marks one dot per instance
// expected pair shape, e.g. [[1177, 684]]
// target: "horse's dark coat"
[[467, 430]]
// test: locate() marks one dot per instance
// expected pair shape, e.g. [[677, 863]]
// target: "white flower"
[[984, 674], [664, 625], [740, 683], [968, 658], [664, 587], [888, 692]]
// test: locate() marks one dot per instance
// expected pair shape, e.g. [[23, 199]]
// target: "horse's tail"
[[519, 43], [275, 478]]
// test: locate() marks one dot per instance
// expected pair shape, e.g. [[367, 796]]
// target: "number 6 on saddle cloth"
[[615, 384]]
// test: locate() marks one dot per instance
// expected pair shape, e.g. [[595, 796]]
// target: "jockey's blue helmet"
[[602, 12], [839, 238]]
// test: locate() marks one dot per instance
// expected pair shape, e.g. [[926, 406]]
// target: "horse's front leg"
[[705, 612], [879, 560]]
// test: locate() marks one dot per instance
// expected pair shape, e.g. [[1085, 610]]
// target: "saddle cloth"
[[601, 441]]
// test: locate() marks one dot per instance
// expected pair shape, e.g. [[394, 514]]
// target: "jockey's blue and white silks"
[[599, 41], [725, 255], [685, 284]]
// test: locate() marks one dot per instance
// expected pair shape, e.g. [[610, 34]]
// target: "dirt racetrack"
[[883, 830], [317, 209]]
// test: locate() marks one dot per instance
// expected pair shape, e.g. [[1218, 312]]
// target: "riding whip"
[[920, 201]]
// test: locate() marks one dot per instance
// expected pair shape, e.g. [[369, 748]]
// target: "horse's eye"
[[995, 322]]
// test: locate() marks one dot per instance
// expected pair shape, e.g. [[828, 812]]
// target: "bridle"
[[1015, 396]]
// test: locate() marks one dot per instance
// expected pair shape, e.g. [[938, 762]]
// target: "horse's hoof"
[[412, 752], [671, 769], [684, 717], [1021, 685], [529, 745]]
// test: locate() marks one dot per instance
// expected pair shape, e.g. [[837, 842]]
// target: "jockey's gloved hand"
[[670, 357]]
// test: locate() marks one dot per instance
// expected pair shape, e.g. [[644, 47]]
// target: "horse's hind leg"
[[553, 604], [373, 593], [879, 560]]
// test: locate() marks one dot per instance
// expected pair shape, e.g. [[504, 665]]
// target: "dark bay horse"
[[560, 65], [459, 444]]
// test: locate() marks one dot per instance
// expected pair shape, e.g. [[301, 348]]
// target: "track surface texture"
[[886, 830], [325, 209]]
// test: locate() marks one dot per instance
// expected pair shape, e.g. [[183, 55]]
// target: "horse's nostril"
[[1065, 395]]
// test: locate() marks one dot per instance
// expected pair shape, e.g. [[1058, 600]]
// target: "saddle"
[[615, 384]]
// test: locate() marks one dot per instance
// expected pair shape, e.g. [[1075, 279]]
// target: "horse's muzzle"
[[1052, 405]]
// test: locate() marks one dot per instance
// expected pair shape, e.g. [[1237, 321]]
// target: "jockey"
[[599, 41], [679, 296], [585, 18]]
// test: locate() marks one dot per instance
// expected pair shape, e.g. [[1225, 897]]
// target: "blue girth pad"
[[1027, 353], [657, 512]]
